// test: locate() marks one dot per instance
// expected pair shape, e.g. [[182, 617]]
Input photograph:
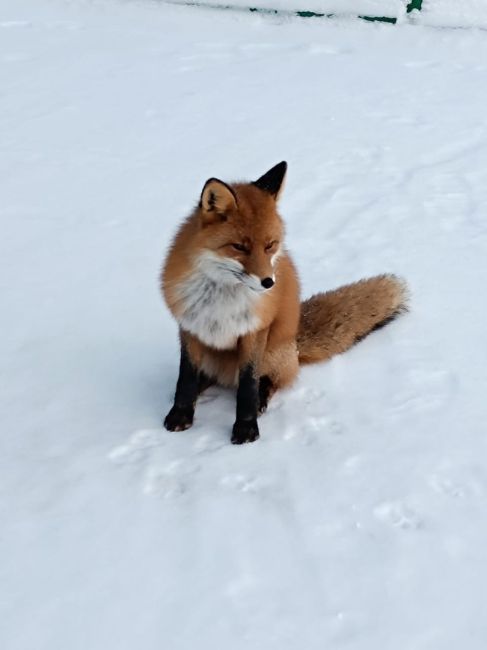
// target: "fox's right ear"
[[217, 199], [273, 180]]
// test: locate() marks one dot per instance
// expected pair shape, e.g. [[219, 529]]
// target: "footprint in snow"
[[398, 515], [250, 484], [171, 480], [157, 459], [308, 395], [136, 449], [207, 443], [308, 430], [467, 487]]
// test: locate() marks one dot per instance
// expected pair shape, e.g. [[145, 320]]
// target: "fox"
[[232, 287]]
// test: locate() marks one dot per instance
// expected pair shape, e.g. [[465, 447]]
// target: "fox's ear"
[[217, 198], [272, 181]]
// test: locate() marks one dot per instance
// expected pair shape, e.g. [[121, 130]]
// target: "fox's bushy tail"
[[332, 322]]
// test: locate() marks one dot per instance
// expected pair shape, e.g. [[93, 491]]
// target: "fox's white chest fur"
[[217, 302]]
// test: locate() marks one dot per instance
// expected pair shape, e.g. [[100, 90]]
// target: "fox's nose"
[[267, 283]]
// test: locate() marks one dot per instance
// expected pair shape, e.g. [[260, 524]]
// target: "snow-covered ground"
[[358, 521], [454, 13]]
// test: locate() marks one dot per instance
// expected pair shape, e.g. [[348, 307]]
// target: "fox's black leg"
[[180, 417], [245, 428], [266, 390]]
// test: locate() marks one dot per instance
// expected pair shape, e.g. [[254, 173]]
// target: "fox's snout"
[[262, 279], [258, 283], [259, 266]]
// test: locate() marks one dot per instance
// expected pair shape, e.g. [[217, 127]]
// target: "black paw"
[[245, 431], [179, 418]]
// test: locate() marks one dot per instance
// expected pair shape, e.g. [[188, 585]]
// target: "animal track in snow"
[[323, 425], [307, 395], [244, 483], [171, 480], [398, 515], [161, 477], [311, 429], [137, 447], [444, 485], [206, 443], [446, 482]]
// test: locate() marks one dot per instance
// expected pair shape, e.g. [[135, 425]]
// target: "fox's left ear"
[[217, 199], [273, 180]]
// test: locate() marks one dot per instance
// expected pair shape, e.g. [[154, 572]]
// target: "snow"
[[454, 13], [357, 521]]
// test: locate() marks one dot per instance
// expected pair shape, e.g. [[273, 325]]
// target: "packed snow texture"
[[358, 520]]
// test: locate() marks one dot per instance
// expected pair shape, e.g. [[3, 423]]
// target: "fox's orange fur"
[[212, 280]]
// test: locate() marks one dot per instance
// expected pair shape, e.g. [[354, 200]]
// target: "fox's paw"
[[245, 431], [179, 418]]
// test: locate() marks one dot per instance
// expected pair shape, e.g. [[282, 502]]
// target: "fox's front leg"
[[245, 428], [180, 417], [251, 349]]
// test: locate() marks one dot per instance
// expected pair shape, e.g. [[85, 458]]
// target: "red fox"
[[234, 291]]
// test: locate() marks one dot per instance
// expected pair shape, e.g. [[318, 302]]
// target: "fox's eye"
[[239, 247], [271, 245]]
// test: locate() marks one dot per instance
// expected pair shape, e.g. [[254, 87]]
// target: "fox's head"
[[240, 232]]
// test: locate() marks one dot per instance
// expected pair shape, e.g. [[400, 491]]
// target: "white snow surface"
[[358, 520], [454, 13]]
